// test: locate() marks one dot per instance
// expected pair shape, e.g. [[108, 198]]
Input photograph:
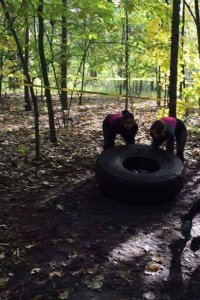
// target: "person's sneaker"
[[186, 227]]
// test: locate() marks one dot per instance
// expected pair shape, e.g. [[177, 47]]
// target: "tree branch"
[[13, 19], [188, 7]]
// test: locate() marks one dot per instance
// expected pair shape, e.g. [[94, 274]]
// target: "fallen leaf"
[[195, 152], [152, 268], [147, 248], [59, 207], [35, 270], [55, 273], [95, 283], [16, 252], [149, 296], [93, 270], [75, 273], [70, 241], [46, 183], [2, 255], [30, 246], [3, 226], [64, 295], [3, 282]]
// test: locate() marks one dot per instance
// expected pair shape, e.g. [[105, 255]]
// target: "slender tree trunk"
[[45, 73], [75, 82], [158, 85], [82, 83], [83, 73], [182, 84], [1, 75], [141, 87], [136, 88], [126, 59], [166, 91], [28, 79], [121, 61], [120, 73], [197, 13], [26, 61], [64, 94], [50, 41], [174, 58]]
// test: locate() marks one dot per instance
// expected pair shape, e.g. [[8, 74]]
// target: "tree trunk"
[[26, 60], [120, 73], [141, 87], [174, 58], [196, 3], [182, 84], [83, 72], [121, 62], [126, 59], [45, 73], [82, 81], [166, 91], [28, 79], [64, 94], [1, 75], [158, 85], [50, 41]]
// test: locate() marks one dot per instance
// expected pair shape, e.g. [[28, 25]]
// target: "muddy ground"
[[71, 242]]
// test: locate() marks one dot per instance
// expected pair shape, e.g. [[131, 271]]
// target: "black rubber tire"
[[118, 182]]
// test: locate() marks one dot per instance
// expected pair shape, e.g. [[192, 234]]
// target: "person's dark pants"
[[193, 211], [108, 136], [181, 139]]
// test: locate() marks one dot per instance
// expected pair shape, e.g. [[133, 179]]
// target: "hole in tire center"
[[142, 165]]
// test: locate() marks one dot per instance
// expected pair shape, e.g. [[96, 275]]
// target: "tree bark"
[[1, 75], [26, 61], [182, 84], [158, 85], [83, 71], [196, 3], [126, 59], [174, 58], [45, 73], [82, 79], [64, 94]]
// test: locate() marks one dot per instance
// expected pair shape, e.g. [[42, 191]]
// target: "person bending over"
[[123, 124], [167, 129]]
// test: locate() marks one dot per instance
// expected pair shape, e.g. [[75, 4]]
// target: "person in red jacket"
[[123, 124], [167, 129]]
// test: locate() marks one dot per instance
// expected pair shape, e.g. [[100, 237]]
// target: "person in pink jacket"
[[167, 129], [123, 124]]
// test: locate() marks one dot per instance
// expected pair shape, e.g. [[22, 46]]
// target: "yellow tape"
[[80, 91], [101, 93]]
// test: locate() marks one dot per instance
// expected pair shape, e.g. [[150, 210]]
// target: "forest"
[[64, 66]]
